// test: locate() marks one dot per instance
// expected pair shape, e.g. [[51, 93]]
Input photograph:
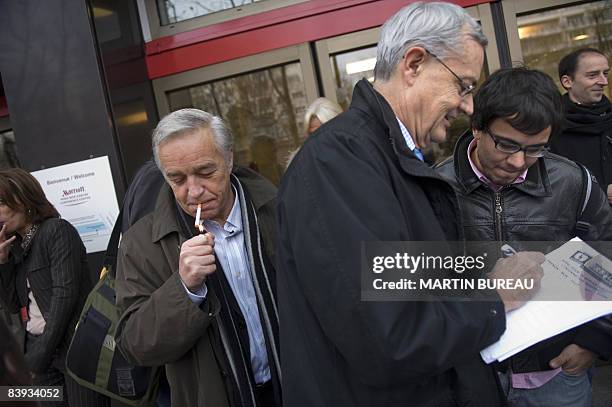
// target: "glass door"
[[544, 31], [263, 98], [8, 147]]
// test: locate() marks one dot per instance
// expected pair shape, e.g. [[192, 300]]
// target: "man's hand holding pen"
[[197, 258]]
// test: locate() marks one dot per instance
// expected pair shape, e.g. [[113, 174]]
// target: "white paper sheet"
[[84, 194], [574, 272]]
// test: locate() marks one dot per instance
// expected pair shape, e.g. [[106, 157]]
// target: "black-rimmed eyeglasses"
[[510, 147], [465, 89]]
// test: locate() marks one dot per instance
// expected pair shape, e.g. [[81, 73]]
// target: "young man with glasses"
[[511, 189]]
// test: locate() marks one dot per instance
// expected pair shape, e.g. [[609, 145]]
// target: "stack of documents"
[[577, 274]]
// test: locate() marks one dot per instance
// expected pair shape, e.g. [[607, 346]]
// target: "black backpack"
[[93, 360]]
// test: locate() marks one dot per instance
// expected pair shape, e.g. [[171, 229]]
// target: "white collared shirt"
[[231, 252], [406, 134]]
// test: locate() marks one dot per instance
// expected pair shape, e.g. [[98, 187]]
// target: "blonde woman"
[[319, 112]]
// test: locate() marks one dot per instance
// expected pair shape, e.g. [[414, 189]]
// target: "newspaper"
[[579, 275]]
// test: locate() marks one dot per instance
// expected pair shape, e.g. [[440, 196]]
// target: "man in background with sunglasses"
[[511, 189]]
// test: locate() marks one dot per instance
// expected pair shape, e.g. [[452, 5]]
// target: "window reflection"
[[548, 36], [8, 150], [264, 109], [348, 68], [173, 11]]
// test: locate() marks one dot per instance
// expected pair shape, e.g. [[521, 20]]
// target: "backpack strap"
[[582, 227], [110, 257]]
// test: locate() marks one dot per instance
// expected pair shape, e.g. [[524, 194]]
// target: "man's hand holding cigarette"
[[197, 258]]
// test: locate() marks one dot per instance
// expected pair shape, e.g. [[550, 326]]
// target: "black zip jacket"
[[547, 206]]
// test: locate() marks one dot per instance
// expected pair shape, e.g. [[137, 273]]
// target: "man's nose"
[[602, 79], [467, 104], [517, 160], [195, 190]]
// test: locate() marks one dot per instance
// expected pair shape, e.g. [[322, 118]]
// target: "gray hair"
[[324, 109], [187, 121], [438, 27]]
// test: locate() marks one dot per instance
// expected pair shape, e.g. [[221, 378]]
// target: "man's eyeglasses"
[[510, 147], [465, 89]]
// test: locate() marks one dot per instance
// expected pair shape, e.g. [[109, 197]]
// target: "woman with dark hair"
[[43, 276]]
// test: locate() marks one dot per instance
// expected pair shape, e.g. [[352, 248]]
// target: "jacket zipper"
[[498, 216]]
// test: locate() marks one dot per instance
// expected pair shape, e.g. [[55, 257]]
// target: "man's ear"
[[566, 82], [412, 63], [477, 134]]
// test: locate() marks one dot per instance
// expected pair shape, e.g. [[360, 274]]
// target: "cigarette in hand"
[[198, 222]]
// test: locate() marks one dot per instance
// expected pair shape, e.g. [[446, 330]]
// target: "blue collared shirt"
[[409, 140], [231, 251]]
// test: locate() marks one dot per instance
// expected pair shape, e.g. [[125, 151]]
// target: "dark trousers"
[[75, 395], [264, 395]]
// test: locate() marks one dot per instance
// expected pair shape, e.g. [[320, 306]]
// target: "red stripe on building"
[[279, 28]]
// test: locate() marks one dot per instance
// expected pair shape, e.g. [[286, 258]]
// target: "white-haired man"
[[203, 305], [361, 178]]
